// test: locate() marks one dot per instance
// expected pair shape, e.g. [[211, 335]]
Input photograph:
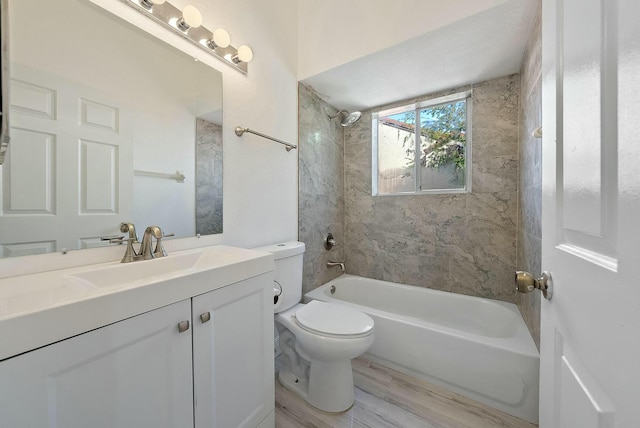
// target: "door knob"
[[526, 283]]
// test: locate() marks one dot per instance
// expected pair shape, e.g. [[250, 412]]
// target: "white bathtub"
[[477, 347]]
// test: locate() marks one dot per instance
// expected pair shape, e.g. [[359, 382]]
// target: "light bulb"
[[221, 38], [191, 17], [245, 54]]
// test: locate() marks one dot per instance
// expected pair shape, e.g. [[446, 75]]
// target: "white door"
[[590, 345], [134, 373], [68, 178], [233, 354]]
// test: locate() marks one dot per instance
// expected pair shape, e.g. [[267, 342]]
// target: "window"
[[437, 162]]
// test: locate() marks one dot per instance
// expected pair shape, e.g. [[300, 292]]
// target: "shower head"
[[347, 118], [350, 118]]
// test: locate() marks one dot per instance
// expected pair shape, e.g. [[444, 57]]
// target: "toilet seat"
[[329, 319]]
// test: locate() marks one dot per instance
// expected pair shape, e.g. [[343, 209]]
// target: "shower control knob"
[[330, 242], [526, 283]]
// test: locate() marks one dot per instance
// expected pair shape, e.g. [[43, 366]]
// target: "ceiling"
[[486, 45]]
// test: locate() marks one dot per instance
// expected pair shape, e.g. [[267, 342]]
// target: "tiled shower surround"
[[530, 203], [465, 243], [208, 177], [321, 187]]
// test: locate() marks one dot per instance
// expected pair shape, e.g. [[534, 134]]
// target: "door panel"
[[581, 400], [32, 174], [98, 177], [589, 346]]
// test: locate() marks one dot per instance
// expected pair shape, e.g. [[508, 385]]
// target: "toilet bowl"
[[327, 337], [318, 340]]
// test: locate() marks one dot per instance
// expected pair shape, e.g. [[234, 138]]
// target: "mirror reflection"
[[108, 125]]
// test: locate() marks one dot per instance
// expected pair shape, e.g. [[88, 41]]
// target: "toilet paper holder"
[[277, 291]]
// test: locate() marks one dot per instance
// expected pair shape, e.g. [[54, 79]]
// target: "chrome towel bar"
[[178, 176], [240, 130]]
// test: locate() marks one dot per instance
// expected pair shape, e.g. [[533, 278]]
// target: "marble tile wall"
[[321, 187], [208, 177], [530, 181], [464, 243]]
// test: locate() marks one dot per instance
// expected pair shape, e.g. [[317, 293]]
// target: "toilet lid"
[[333, 319]]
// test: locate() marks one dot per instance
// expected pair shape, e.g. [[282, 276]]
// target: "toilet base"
[[294, 383], [329, 387]]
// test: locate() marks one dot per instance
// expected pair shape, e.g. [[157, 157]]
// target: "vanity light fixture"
[[188, 24]]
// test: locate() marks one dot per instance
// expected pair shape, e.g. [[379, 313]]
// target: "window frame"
[[416, 108]]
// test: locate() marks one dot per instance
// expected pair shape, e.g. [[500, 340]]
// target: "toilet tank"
[[287, 275]]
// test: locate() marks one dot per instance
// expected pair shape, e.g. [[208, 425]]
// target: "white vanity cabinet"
[[233, 355], [134, 373], [151, 370]]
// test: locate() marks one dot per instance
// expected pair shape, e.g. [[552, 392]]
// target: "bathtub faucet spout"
[[331, 264]]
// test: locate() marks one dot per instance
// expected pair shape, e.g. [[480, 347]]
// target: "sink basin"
[[41, 291], [129, 273]]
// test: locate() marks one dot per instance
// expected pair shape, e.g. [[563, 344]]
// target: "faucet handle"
[[131, 229], [154, 231], [160, 251]]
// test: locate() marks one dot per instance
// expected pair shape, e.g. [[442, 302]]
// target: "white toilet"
[[318, 339]]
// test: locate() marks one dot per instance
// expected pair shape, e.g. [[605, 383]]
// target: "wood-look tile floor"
[[386, 398]]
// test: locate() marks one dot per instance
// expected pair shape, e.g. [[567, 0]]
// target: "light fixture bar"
[[170, 16]]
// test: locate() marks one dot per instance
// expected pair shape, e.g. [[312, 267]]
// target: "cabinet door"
[[134, 373], [233, 354]]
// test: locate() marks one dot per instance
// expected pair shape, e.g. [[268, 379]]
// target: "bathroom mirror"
[[108, 124]]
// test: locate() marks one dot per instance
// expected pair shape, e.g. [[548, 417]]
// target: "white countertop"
[[42, 308]]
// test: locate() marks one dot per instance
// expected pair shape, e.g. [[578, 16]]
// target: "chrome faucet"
[[332, 264], [145, 247], [145, 252]]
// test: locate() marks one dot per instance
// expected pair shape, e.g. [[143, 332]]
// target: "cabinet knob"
[[205, 317], [183, 326]]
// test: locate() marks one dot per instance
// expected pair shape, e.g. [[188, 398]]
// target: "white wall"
[[334, 32], [260, 177]]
